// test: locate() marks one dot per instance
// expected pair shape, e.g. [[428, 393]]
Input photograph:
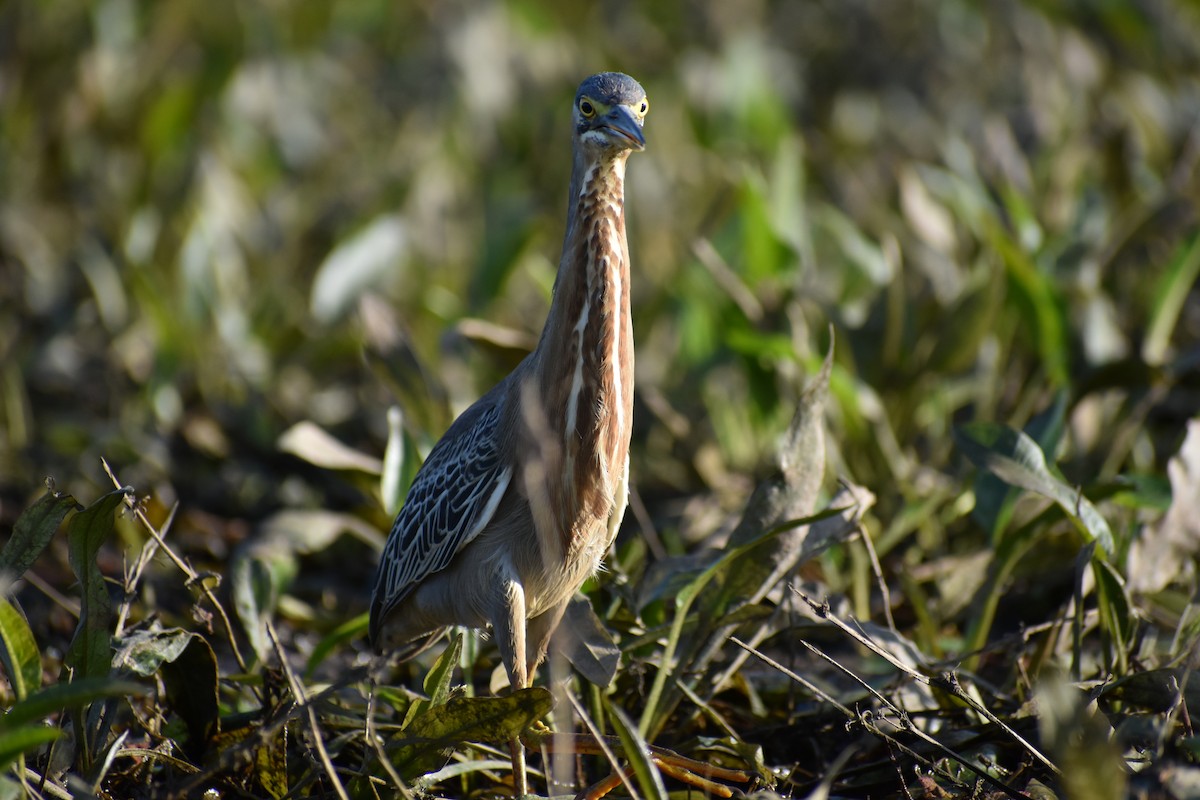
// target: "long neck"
[[583, 365]]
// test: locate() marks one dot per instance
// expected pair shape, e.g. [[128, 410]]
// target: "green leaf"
[[1115, 609], [494, 720], [683, 603], [995, 499], [1035, 290], [254, 597], [1156, 691], [191, 683], [270, 762], [33, 531], [587, 643], [20, 655], [437, 681], [399, 464], [90, 653], [1173, 289], [15, 743], [366, 259], [347, 631], [762, 254], [309, 441], [636, 752], [54, 699], [143, 652], [1016, 459]]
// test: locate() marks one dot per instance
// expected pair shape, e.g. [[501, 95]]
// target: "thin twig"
[[44, 784], [183, 566], [132, 579], [877, 568], [301, 697], [376, 744], [600, 742], [902, 722], [947, 682]]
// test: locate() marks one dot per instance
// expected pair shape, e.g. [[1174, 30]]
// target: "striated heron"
[[521, 498]]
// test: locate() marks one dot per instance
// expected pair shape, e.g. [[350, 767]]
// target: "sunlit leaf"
[[255, 593], [1164, 551], [1017, 460], [1116, 612], [309, 441], [61, 696], [21, 658], [363, 261], [994, 498], [495, 720], [1174, 286], [144, 651]]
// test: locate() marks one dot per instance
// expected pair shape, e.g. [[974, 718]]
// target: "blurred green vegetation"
[[218, 220]]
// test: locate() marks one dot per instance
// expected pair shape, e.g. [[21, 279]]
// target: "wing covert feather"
[[454, 496]]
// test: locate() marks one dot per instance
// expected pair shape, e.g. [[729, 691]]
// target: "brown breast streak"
[[588, 378]]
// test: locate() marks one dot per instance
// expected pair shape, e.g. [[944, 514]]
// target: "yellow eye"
[[587, 109], [644, 107]]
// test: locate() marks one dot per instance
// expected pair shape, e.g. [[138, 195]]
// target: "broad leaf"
[[90, 652], [587, 644], [191, 683], [1016, 459], [494, 720], [33, 531]]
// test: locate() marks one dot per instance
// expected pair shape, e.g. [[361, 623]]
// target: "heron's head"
[[609, 110]]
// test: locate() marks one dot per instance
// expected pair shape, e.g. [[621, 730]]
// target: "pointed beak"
[[623, 127]]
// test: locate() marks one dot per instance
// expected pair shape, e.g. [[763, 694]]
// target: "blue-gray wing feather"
[[454, 496]]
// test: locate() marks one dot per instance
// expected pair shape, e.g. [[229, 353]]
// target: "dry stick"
[[899, 772], [948, 681], [830, 773], [666, 761], [376, 744], [183, 567], [599, 738], [903, 721], [70, 604], [877, 568], [692, 779], [301, 696], [591, 744], [45, 784], [268, 729], [133, 579], [713, 715], [853, 716]]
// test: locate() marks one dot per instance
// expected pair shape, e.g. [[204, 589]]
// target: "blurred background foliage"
[[207, 209], [220, 219]]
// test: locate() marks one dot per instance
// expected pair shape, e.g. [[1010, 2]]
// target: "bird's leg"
[[537, 636], [509, 625]]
